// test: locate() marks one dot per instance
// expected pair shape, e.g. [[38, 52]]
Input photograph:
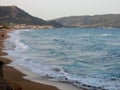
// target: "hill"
[[15, 15], [108, 20]]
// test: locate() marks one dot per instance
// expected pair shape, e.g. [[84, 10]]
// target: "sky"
[[51, 9]]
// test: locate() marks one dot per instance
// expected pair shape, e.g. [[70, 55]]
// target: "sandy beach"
[[15, 77]]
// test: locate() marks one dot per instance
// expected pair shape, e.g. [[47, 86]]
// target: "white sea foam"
[[104, 35], [14, 41], [20, 46]]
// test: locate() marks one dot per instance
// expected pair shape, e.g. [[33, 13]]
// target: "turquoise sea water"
[[75, 55]]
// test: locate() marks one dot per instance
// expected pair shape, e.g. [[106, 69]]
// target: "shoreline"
[[44, 79], [12, 75], [25, 79]]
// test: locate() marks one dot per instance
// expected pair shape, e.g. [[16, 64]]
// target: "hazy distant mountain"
[[108, 20], [15, 15]]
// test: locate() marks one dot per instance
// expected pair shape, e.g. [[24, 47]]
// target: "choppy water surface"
[[74, 55]]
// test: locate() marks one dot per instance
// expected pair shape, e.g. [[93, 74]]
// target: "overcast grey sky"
[[50, 9]]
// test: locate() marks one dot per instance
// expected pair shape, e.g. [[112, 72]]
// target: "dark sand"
[[14, 77]]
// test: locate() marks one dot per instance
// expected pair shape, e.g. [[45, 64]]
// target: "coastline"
[[14, 76], [26, 80]]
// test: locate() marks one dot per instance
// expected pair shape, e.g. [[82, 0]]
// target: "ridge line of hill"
[[14, 16]]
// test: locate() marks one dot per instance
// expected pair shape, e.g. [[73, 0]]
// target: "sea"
[[81, 57]]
